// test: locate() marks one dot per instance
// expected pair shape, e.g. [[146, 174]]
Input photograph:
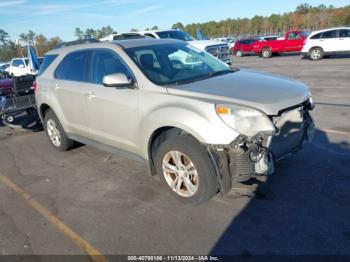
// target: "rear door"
[[344, 40], [112, 112], [330, 42], [70, 88]]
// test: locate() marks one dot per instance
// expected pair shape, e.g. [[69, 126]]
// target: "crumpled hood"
[[264, 91]]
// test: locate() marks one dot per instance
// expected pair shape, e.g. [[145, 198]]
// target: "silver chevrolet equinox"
[[188, 116]]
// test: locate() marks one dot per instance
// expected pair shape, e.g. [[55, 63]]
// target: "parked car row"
[[315, 46], [216, 48]]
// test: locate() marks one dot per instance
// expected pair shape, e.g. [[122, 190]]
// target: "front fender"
[[207, 128]]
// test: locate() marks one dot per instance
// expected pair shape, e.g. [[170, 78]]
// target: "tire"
[[316, 54], [239, 53], [55, 132], [266, 52], [202, 176]]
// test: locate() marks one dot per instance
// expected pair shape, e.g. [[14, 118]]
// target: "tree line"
[[304, 17], [18, 48]]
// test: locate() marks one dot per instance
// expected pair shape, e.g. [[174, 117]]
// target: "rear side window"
[[48, 59], [344, 33], [329, 34], [74, 67], [107, 63]]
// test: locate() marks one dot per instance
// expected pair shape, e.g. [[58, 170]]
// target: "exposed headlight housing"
[[245, 120]]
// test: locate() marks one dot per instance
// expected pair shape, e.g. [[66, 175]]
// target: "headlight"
[[245, 120]]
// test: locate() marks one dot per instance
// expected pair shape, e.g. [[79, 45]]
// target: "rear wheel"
[[239, 53], [186, 169], [266, 52], [316, 53], [54, 130]]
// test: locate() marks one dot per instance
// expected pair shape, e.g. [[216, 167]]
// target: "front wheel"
[[316, 54], [186, 169]]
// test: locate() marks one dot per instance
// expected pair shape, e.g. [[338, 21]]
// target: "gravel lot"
[[110, 202]]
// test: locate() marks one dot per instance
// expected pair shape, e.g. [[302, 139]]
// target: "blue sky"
[[59, 18]]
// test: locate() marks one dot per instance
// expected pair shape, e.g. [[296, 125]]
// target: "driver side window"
[[107, 63], [293, 36]]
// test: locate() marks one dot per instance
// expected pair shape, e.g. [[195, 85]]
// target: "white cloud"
[[56, 8], [11, 3], [146, 10]]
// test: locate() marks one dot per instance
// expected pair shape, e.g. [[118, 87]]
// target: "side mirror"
[[118, 80]]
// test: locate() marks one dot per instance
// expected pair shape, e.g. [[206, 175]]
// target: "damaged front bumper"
[[247, 157]]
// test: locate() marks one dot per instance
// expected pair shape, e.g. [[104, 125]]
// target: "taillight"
[[34, 86]]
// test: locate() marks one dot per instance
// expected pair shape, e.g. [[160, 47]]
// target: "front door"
[[294, 43], [112, 113]]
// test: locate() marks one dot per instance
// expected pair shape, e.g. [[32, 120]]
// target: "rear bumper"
[[247, 157]]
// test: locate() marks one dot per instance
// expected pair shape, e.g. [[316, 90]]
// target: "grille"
[[222, 52], [291, 132]]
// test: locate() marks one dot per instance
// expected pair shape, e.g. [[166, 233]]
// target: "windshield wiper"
[[217, 73], [202, 77]]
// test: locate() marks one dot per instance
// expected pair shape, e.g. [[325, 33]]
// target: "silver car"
[[188, 116]]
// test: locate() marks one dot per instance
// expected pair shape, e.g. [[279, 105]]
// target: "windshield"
[[174, 34], [176, 63]]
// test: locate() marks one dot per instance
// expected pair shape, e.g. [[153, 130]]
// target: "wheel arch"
[[157, 137], [266, 46], [43, 110], [314, 47]]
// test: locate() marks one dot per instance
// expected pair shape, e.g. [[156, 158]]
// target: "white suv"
[[218, 49], [327, 41]]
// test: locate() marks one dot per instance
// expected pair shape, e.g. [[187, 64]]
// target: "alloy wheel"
[[180, 173], [315, 54], [53, 132]]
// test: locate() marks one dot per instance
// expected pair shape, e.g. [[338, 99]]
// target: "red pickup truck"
[[292, 42]]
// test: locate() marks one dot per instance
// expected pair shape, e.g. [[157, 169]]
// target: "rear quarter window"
[[48, 59], [317, 36]]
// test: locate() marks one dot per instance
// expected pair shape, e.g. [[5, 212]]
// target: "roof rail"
[[77, 42]]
